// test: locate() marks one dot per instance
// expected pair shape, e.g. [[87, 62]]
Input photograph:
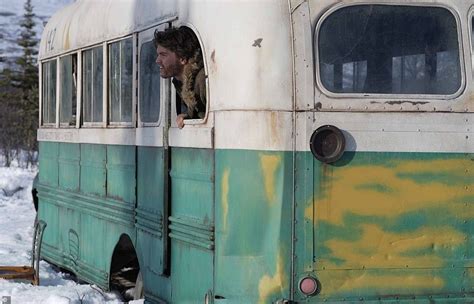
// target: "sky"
[[11, 13]]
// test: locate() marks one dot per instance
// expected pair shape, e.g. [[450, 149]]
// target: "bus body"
[[335, 162]]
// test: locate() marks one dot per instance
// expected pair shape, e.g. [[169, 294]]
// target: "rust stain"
[[275, 131]]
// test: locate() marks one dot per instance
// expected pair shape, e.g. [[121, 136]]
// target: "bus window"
[[67, 112], [92, 80], [149, 84], [49, 92], [389, 50], [187, 73], [120, 81]]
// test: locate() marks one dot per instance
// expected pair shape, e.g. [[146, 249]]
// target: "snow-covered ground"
[[17, 216]]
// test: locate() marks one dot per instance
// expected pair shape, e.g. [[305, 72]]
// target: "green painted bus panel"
[[191, 223], [150, 179], [192, 273], [68, 163], [93, 233], [253, 225], [150, 250], [304, 194], [48, 212], [69, 242], [84, 224], [386, 224], [374, 224], [93, 172], [48, 163], [149, 219], [192, 180], [121, 176]]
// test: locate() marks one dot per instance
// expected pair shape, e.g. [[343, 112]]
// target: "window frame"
[[54, 124], [78, 86], [145, 37], [470, 25], [88, 124], [358, 98], [196, 121], [107, 101]]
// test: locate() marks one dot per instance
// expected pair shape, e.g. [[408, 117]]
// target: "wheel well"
[[34, 192], [124, 267]]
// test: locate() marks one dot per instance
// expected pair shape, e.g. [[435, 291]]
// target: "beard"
[[171, 70]]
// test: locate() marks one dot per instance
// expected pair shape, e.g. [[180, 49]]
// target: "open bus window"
[[49, 92], [120, 81], [67, 112], [390, 50], [149, 84], [92, 82], [180, 57]]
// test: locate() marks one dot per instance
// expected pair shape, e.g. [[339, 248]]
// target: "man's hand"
[[180, 120]]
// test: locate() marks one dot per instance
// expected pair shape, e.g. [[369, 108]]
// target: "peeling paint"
[[389, 224], [470, 272], [351, 194], [377, 248], [271, 284], [345, 282], [269, 165]]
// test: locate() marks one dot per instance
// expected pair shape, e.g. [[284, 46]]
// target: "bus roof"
[[88, 22], [246, 44]]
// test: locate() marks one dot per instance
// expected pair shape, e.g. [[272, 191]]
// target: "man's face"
[[170, 64]]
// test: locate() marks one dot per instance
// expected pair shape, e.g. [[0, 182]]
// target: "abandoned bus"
[[335, 161]]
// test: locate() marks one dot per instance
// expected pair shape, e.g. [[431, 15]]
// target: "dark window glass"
[[149, 84], [390, 50], [120, 86], [92, 83], [68, 82], [49, 92]]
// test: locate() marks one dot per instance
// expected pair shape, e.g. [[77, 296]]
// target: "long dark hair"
[[181, 41]]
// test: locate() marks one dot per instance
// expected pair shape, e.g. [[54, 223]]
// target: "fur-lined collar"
[[190, 70]]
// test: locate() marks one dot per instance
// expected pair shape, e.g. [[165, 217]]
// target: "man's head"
[[174, 47]]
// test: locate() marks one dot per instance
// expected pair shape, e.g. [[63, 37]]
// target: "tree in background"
[[27, 82], [19, 96], [10, 117]]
